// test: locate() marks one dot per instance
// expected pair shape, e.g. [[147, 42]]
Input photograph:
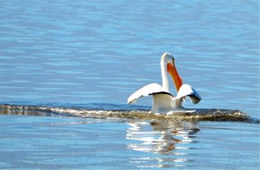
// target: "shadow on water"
[[121, 112], [169, 140]]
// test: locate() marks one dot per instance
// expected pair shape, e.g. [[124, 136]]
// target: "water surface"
[[94, 55]]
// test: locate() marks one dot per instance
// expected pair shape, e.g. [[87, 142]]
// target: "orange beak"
[[174, 74]]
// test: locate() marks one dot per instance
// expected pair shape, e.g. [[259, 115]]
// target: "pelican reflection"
[[170, 138]]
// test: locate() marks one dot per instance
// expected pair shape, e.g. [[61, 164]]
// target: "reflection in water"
[[168, 140]]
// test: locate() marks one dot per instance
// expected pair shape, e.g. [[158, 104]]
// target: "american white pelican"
[[163, 100]]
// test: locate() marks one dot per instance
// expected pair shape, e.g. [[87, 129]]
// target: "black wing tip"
[[161, 92]]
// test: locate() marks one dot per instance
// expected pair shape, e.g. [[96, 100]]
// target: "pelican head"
[[167, 61]]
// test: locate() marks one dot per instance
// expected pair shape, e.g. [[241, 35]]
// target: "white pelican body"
[[163, 100]]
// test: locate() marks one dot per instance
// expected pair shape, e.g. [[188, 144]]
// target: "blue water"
[[72, 53]]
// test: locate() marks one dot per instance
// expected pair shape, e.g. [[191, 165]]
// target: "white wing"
[[145, 91], [187, 90]]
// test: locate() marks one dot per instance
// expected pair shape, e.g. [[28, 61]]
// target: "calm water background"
[[80, 52]]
